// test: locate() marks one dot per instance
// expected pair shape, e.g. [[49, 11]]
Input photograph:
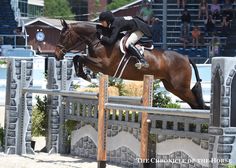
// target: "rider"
[[134, 25]]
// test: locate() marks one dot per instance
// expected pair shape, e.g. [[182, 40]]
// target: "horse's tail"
[[197, 88], [195, 71]]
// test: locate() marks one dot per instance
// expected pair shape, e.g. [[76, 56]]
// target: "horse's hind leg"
[[183, 93], [78, 65], [197, 91]]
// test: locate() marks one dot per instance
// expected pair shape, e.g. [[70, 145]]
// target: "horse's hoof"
[[77, 74], [206, 107], [138, 65], [88, 78]]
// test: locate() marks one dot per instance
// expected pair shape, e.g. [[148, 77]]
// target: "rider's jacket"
[[129, 24]]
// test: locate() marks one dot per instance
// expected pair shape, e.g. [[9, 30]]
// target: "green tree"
[[58, 8], [118, 3], [40, 117]]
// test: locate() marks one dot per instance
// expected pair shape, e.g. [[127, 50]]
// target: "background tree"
[[58, 9], [118, 3]]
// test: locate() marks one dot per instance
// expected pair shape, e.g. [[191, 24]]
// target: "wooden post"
[[147, 101], [102, 121]]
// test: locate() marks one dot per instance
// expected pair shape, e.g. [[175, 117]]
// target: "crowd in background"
[[217, 10], [209, 10]]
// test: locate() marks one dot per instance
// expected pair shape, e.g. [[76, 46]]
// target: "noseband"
[[63, 50]]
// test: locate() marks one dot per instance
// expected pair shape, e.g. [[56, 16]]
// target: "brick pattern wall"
[[18, 127]]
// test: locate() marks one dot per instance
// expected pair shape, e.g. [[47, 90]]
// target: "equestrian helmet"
[[106, 16]]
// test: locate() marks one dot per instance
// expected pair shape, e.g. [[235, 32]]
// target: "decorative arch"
[[233, 103], [216, 99]]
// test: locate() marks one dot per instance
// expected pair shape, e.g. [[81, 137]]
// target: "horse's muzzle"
[[58, 54]]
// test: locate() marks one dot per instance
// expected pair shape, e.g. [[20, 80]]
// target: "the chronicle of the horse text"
[[155, 160]]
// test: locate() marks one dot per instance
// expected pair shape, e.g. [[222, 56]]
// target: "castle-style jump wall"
[[175, 133], [19, 105], [60, 76], [18, 108], [222, 143]]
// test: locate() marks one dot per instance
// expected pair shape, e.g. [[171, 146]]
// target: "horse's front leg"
[[78, 65]]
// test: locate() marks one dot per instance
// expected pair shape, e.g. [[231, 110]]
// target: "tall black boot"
[[142, 62]]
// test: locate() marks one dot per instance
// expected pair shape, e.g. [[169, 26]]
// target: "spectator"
[[225, 25], [196, 33], [183, 3], [20, 39], [156, 30], [146, 12], [203, 9], [186, 19], [210, 26], [234, 7], [1, 40], [215, 9], [185, 35], [227, 9], [215, 44], [234, 2]]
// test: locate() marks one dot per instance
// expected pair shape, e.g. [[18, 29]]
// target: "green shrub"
[[40, 117], [2, 62], [231, 166], [160, 99], [70, 126], [119, 83], [204, 128], [37, 124]]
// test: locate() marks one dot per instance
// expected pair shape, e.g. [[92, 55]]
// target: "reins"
[[82, 40]]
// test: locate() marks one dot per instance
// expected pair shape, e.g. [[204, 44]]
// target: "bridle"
[[81, 40], [61, 49]]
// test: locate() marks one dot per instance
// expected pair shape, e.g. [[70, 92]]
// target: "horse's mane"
[[86, 24]]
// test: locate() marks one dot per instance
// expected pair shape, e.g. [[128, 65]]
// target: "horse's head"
[[67, 41]]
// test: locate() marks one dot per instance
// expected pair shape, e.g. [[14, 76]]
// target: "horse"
[[172, 68]]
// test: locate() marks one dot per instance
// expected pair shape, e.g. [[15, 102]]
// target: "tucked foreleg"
[[78, 65]]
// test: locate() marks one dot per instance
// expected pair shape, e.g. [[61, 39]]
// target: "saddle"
[[126, 56], [141, 45]]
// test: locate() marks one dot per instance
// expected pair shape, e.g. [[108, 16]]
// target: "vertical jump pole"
[[147, 101], [102, 121]]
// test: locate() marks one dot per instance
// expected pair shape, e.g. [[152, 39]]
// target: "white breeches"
[[133, 38]]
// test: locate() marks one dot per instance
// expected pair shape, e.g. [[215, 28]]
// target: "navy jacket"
[[130, 24]]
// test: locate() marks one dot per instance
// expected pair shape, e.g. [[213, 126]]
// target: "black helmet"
[[106, 16]]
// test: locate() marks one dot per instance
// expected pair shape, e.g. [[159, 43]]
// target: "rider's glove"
[[99, 35]]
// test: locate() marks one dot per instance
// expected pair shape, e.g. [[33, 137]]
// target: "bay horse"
[[172, 68]]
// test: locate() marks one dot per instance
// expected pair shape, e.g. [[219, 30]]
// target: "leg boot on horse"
[[142, 62], [78, 65]]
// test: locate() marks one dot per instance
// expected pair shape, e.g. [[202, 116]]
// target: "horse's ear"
[[63, 23]]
